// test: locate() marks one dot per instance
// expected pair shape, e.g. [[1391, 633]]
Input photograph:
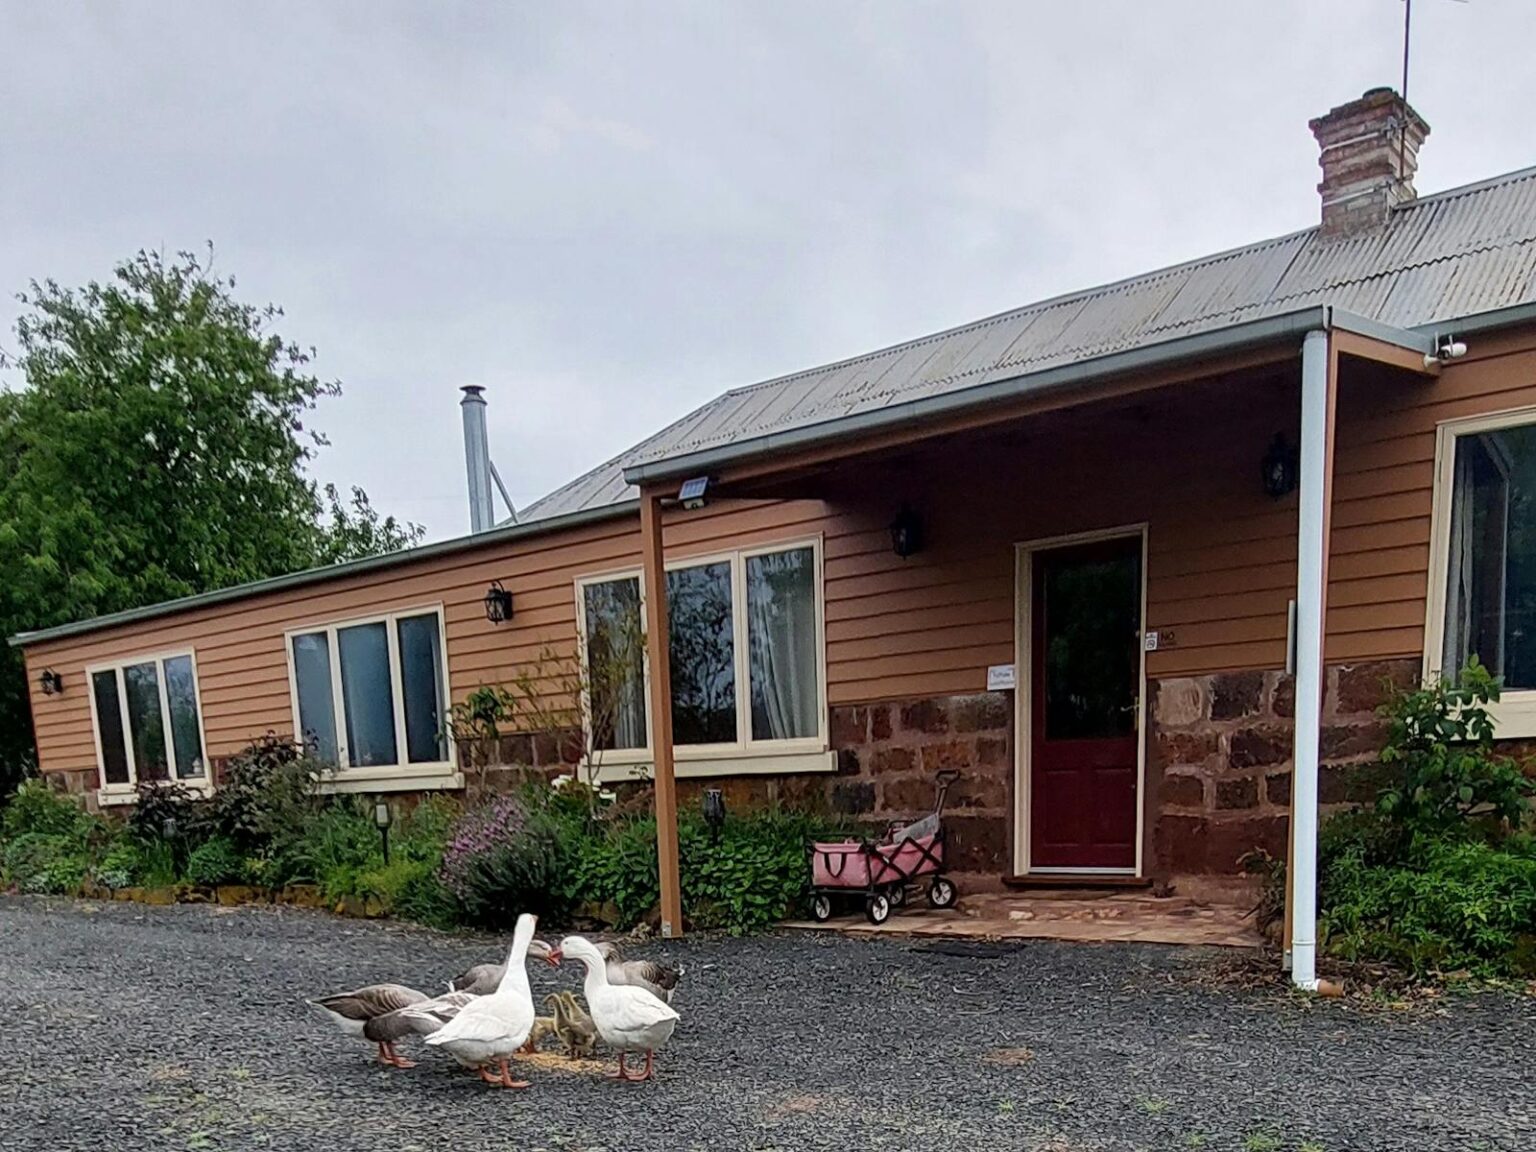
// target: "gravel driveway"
[[129, 1027]]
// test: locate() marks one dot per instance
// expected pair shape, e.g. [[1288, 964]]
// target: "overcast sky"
[[608, 213]]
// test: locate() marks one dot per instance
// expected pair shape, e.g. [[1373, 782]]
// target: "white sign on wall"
[[1000, 677]]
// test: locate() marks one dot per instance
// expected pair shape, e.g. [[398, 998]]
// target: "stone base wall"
[[1219, 758]]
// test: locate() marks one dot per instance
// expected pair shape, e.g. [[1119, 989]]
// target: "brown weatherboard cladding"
[[1219, 758]]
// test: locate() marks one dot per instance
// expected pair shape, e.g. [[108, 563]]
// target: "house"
[[1071, 550]]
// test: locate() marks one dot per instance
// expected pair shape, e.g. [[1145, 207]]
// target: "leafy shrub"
[[123, 866], [1447, 778], [28, 856], [267, 796], [1463, 905], [501, 860], [36, 807], [755, 875], [170, 814], [216, 861]]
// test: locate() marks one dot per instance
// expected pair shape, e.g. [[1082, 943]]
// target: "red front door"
[[1085, 680]]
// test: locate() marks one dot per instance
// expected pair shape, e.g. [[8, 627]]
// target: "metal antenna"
[[1402, 142]]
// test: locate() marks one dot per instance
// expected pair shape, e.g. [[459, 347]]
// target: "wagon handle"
[[945, 777]]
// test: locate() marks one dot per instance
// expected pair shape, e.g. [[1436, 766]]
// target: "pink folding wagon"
[[909, 859]]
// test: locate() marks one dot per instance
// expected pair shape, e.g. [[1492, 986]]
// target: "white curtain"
[[781, 608]]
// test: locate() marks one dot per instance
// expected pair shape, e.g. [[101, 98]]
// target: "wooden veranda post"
[[656, 648]]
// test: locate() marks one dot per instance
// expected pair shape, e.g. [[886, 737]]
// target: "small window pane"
[[703, 655], [615, 668], [367, 697], [421, 668], [781, 635], [109, 722], [1491, 582], [142, 683], [186, 738], [317, 707]]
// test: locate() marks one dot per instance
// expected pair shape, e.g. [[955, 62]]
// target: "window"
[[1483, 596], [744, 650], [372, 694], [148, 724]]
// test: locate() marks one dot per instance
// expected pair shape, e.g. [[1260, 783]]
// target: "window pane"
[[421, 669], [367, 697], [109, 721], [781, 643], [1088, 632], [615, 668], [1491, 582], [142, 683], [317, 708], [186, 739], [703, 655]]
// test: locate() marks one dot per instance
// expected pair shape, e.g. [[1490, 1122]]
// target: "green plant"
[[123, 864], [216, 861], [1457, 905], [1264, 1140], [267, 796], [37, 807], [755, 874], [1447, 779], [503, 858]]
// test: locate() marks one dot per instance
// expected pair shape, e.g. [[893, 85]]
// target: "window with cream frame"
[[747, 656], [1482, 579], [147, 721], [370, 695]]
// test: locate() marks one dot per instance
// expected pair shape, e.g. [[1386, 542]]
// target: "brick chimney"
[[1370, 151]]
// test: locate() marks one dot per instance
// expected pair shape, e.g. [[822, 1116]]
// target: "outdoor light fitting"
[[906, 533], [714, 811], [691, 494], [498, 603], [52, 683], [1281, 464], [382, 819]]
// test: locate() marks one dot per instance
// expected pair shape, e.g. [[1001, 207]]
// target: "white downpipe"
[[1309, 658]]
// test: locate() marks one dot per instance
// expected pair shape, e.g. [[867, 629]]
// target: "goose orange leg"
[[650, 1067], [506, 1080], [623, 1072]]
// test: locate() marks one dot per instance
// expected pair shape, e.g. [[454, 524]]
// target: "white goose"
[[489, 1029], [627, 1017]]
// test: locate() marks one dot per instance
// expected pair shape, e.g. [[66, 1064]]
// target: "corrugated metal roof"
[[1442, 257]]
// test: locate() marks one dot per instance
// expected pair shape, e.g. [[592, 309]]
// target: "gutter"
[[1284, 328], [504, 534]]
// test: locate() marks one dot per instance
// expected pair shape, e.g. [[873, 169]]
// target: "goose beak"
[[554, 957]]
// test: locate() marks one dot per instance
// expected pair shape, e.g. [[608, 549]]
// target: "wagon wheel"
[[898, 895], [878, 908], [941, 893], [821, 907]]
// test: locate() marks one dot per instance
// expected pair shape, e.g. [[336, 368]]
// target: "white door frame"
[[1023, 650]]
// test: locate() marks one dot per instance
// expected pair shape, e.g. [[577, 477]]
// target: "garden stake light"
[[382, 819]]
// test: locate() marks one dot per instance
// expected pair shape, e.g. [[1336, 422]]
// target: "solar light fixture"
[[691, 494], [382, 819], [498, 603], [52, 683]]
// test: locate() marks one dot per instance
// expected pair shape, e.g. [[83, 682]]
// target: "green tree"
[[157, 448]]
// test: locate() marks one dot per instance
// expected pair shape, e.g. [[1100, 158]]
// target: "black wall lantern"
[[906, 533], [498, 603], [51, 682], [1280, 467], [714, 811]]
